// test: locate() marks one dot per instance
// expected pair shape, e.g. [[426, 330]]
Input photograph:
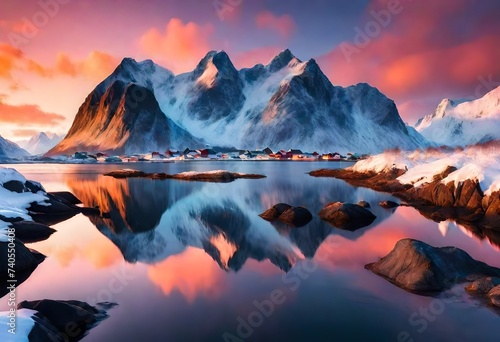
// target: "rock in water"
[[418, 267], [364, 204], [388, 204], [295, 216], [346, 215]]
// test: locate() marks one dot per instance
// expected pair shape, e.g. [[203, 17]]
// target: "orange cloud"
[[283, 24], [9, 57], [192, 273], [96, 66], [180, 46], [250, 58], [27, 115]]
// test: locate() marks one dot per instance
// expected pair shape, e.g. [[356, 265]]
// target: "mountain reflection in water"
[[152, 220]]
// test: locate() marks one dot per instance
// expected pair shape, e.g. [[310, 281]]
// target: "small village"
[[214, 153]]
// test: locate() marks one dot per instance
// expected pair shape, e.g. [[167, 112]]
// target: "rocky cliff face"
[[125, 119]]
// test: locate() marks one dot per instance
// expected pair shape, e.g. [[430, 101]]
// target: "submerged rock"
[[347, 216], [388, 204], [221, 176], [294, 216], [482, 286], [418, 267], [364, 204]]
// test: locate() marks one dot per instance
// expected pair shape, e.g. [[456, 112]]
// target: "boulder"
[[15, 186], [26, 259], [294, 216], [275, 211], [418, 267], [61, 313], [346, 215], [482, 286], [63, 320], [494, 296], [29, 232], [364, 204]]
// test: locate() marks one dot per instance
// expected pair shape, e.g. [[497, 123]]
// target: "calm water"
[[190, 261]]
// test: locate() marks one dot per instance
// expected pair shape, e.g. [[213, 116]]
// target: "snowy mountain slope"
[[284, 104], [125, 119], [10, 150], [41, 143], [460, 123]]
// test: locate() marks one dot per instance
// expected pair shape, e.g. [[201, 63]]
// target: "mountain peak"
[[218, 59], [281, 60]]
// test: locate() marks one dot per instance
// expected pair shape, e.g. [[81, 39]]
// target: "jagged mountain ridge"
[[284, 104], [463, 122]]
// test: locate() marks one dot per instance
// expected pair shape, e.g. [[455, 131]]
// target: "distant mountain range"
[[40, 143], [10, 150], [463, 122], [142, 107]]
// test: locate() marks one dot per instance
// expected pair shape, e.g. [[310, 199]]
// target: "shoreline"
[[465, 203]]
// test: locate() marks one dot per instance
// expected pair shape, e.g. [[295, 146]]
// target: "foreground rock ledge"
[[418, 267], [208, 176], [63, 320], [465, 202]]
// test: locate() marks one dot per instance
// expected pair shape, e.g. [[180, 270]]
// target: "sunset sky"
[[54, 52]]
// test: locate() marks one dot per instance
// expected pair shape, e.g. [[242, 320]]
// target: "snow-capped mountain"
[[41, 143], [284, 104], [463, 122], [10, 150], [122, 118]]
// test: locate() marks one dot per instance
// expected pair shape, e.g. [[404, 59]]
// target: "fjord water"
[[191, 261]]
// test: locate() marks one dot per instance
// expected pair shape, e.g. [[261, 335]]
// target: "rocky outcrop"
[[26, 260], [465, 202], [220, 176], [418, 267], [294, 216], [62, 320], [346, 215]]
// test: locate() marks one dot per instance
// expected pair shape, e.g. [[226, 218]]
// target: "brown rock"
[[494, 296], [483, 285], [346, 215]]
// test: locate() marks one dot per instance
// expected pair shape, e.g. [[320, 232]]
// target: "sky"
[[54, 52]]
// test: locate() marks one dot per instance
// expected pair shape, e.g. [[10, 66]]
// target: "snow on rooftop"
[[481, 163]]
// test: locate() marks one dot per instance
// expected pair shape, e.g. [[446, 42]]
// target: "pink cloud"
[[96, 66], [408, 60], [180, 46], [283, 24]]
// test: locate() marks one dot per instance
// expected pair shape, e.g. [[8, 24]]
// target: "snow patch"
[[473, 163]]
